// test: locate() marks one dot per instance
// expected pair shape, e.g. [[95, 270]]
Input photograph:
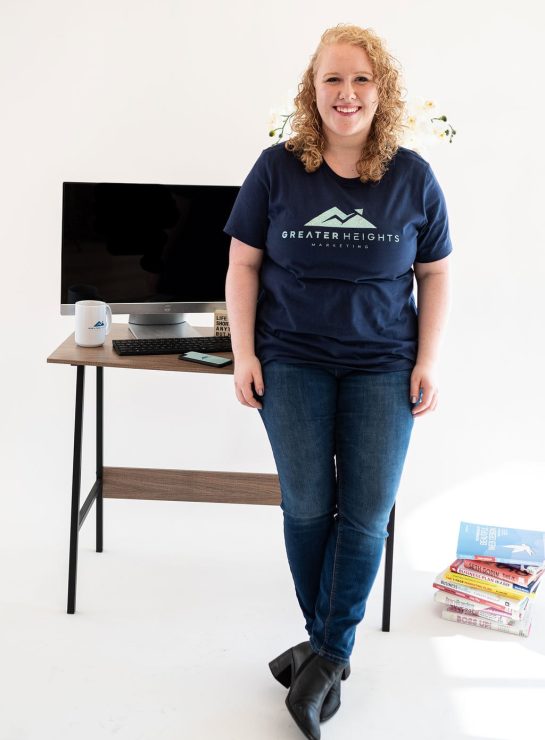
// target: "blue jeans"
[[339, 439]]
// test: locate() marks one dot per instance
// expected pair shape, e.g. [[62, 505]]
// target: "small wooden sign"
[[221, 323]]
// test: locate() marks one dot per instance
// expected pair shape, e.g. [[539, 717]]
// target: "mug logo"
[[98, 325]]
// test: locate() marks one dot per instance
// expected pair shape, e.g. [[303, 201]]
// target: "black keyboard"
[[171, 346]]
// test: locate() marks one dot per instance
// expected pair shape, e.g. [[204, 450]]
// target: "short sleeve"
[[433, 241], [249, 219]]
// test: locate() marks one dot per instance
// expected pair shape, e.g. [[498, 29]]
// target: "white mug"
[[93, 323]]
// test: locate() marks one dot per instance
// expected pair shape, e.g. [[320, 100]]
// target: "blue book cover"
[[501, 544]]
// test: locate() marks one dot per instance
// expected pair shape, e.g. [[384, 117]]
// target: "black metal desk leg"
[[387, 601], [100, 448], [76, 485]]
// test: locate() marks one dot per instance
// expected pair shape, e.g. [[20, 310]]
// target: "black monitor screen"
[[137, 243]]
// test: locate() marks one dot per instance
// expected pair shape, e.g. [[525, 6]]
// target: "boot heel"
[[346, 673], [281, 668]]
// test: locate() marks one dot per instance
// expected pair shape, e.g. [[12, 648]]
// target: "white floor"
[[177, 619]]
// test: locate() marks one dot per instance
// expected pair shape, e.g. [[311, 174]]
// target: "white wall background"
[[175, 91]]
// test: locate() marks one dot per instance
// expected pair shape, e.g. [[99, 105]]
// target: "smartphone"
[[212, 360]]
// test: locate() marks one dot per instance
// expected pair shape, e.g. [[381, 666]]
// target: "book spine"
[[467, 593], [492, 571], [515, 614], [513, 601], [512, 629], [468, 607], [488, 559], [504, 587]]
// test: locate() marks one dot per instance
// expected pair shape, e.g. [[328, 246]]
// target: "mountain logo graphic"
[[335, 217], [98, 325]]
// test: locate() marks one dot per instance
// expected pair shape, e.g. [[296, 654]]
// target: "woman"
[[328, 232]]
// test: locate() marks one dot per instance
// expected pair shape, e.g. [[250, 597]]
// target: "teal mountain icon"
[[335, 217], [98, 324]]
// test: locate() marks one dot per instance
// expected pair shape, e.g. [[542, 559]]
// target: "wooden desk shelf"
[[191, 485]]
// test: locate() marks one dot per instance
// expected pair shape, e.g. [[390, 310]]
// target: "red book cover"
[[503, 571]]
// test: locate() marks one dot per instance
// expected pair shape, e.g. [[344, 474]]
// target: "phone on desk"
[[212, 360]]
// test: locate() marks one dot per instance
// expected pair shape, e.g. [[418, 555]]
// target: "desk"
[[155, 483]]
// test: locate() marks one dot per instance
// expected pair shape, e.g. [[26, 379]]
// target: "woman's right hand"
[[248, 371]]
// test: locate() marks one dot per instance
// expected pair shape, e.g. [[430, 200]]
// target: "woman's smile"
[[345, 111]]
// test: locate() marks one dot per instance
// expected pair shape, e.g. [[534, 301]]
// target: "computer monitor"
[[155, 252]]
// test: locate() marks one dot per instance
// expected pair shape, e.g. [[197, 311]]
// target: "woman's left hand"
[[423, 387]]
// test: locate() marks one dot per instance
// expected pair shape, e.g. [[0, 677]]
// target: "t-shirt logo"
[[335, 217]]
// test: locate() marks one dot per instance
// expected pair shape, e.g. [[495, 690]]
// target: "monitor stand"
[[161, 326]]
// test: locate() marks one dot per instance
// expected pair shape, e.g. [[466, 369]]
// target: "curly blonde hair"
[[308, 141]]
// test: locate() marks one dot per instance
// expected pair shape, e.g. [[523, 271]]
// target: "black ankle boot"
[[286, 665], [312, 683]]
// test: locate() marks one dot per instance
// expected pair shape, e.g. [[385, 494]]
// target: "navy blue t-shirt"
[[336, 282]]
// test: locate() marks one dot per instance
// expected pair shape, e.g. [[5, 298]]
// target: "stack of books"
[[494, 579]]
